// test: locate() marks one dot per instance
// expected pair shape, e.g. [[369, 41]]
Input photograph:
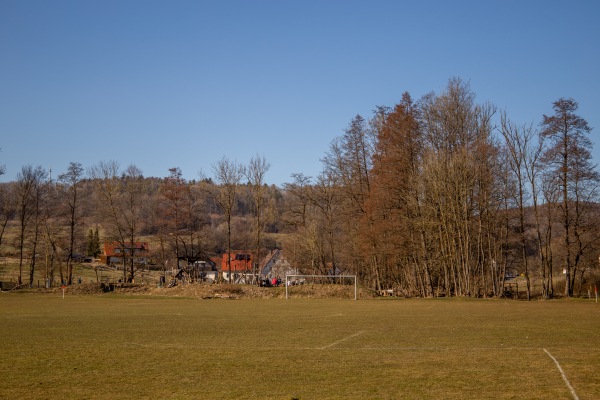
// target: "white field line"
[[563, 375], [341, 340], [449, 349]]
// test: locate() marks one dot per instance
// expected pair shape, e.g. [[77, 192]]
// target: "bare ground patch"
[[211, 291]]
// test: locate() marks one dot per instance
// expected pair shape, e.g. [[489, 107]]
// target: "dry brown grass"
[[130, 346], [213, 291]]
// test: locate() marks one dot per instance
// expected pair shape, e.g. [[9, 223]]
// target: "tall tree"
[[518, 143], [299, 216], [52, 235], [131, 212], [93, 243], [120, 203], [326, 199], [228, 175], [70, 191], [8, 206], [96, 247], [394, 204], [39, 198], [460, 159], [89, 249], [534, 170], [108, 188], [585, 227], [28, 185], [349, 161], [255, 174], [569, 158], [175, 191]]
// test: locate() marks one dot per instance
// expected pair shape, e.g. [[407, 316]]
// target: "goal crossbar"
[[322, 277]]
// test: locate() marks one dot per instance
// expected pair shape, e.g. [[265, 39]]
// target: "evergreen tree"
[[90, 244], [93, 243], [96, 247]]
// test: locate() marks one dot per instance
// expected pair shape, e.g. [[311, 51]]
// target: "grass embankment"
[[82, 273], [135, 347]]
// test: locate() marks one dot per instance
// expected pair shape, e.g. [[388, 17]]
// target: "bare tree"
[[228, 175], [459, 172], [326, 198], [105, 176], [8, 206], [121, 200], [70, 182], [533, 172], [518, 143], [584, 192], [131, 212], [350, 162], [39, 198], [52, 236], [299, 216], [175, 192], [28, 192], [255, 173], [568, 157]]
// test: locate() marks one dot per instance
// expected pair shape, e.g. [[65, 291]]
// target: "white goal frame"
[[323, 277]]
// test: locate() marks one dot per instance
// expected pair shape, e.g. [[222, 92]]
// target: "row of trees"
[[440, 196], [45, 220], [444, 197]]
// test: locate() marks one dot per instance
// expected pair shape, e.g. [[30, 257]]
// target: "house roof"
[[240, 261]]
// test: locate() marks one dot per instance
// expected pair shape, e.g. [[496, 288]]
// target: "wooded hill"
[[436, 197]]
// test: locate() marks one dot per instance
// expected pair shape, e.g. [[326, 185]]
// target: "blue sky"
[[163, 84]]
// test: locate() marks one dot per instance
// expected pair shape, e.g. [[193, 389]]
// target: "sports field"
[[141, 347]]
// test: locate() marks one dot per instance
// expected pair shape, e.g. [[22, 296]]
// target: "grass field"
[[142, 347]]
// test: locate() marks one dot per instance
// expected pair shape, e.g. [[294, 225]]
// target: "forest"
[[440, 196]]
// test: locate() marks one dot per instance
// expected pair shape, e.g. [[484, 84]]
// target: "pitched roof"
[[240, 261]]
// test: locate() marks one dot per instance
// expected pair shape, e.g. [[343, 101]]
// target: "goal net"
[[311, 284]]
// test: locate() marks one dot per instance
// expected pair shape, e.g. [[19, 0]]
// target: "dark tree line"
[[440, 196]]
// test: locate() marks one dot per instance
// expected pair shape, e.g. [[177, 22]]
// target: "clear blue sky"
[[177, 83]]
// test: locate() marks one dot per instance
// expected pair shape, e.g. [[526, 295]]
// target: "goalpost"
[[293, 280]]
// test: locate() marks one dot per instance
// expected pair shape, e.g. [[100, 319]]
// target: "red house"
[[114, 252], [240, 262]]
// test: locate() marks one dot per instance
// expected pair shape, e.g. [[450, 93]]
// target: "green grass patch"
[[142, 347]]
